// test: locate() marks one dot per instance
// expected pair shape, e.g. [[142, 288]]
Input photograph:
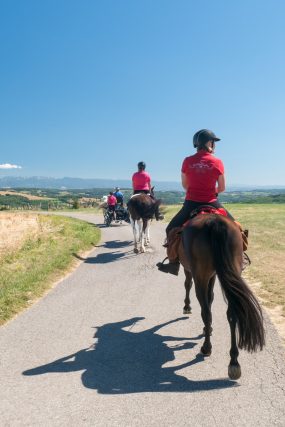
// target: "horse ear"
[[152, 188]]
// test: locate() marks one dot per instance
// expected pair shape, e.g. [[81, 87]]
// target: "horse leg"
[[141, 235], [133, 223], [201, 288], [211, 296], [187, 284], [147, 238], [234, 369]]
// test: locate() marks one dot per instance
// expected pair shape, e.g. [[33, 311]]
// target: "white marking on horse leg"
[[133, 223], [141, 235], [147, 235]]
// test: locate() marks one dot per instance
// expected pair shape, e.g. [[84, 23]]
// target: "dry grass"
[[266, 224], [38, 250], [15, 229]]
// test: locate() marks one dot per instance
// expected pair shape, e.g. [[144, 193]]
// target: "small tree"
[[75, 204]]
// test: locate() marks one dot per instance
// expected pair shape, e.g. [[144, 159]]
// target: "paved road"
[[109, 346]]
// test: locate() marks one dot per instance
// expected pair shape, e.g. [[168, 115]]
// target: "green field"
[[68, 199], [27, 272], [266, 225]]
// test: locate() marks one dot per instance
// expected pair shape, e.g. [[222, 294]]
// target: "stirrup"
[[162, 263], [172, 267]]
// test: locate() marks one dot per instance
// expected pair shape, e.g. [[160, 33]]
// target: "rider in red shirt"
[[141, 180], [112, 201], [142, 184], [202, 177]]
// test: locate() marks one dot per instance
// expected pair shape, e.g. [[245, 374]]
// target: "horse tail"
[[241, 300]]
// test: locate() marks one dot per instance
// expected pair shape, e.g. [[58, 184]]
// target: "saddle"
[[174, 236]]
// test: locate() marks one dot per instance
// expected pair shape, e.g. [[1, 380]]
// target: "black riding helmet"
[[202, 137], [141, 166]]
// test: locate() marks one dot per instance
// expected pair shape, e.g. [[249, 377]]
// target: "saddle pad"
[[205, 209]]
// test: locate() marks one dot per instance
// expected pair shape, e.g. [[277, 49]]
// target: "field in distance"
[[65, 199]]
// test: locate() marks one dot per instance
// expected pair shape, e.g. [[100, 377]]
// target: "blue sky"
[[89, 88]]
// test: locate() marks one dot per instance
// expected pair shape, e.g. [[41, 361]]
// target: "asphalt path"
[[109, 346]]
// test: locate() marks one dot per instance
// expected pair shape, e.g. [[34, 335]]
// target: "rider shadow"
[[123, 362]]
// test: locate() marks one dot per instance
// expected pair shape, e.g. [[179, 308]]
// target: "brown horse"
[[212, 245], [142, 209]]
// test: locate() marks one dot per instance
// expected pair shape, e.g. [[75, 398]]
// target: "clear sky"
[[88, 88]]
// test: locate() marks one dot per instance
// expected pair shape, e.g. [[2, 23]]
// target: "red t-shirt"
[[111, 200], [141, 180], [202, 171]]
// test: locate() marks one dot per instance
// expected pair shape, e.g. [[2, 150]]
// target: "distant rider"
[[111, 202], [142, 184], [141, 180], [119, 196]]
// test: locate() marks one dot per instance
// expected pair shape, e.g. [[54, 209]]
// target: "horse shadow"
[[116, 244], [108, 257], [124, 362]]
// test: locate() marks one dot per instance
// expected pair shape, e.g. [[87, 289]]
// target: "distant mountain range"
[[78, 183], [81, 183]]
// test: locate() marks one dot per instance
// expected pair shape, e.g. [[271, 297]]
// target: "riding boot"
[[244, 235], [171, 267], [245, 258], [158, 215], [172, 243]]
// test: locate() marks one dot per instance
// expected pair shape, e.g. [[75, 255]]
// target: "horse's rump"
[[142, 206], [212, 244], [205, 234]]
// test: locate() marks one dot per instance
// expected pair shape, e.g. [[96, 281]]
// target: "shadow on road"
[[107, 257], [122, 362], [113, 225], [116, 244]]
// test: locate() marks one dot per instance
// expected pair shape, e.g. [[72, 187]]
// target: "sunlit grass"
[[27, 272]]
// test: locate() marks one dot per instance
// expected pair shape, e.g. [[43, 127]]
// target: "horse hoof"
[[136, 251], [142, 250], [234, 372], [187, 311], [205, 353]]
